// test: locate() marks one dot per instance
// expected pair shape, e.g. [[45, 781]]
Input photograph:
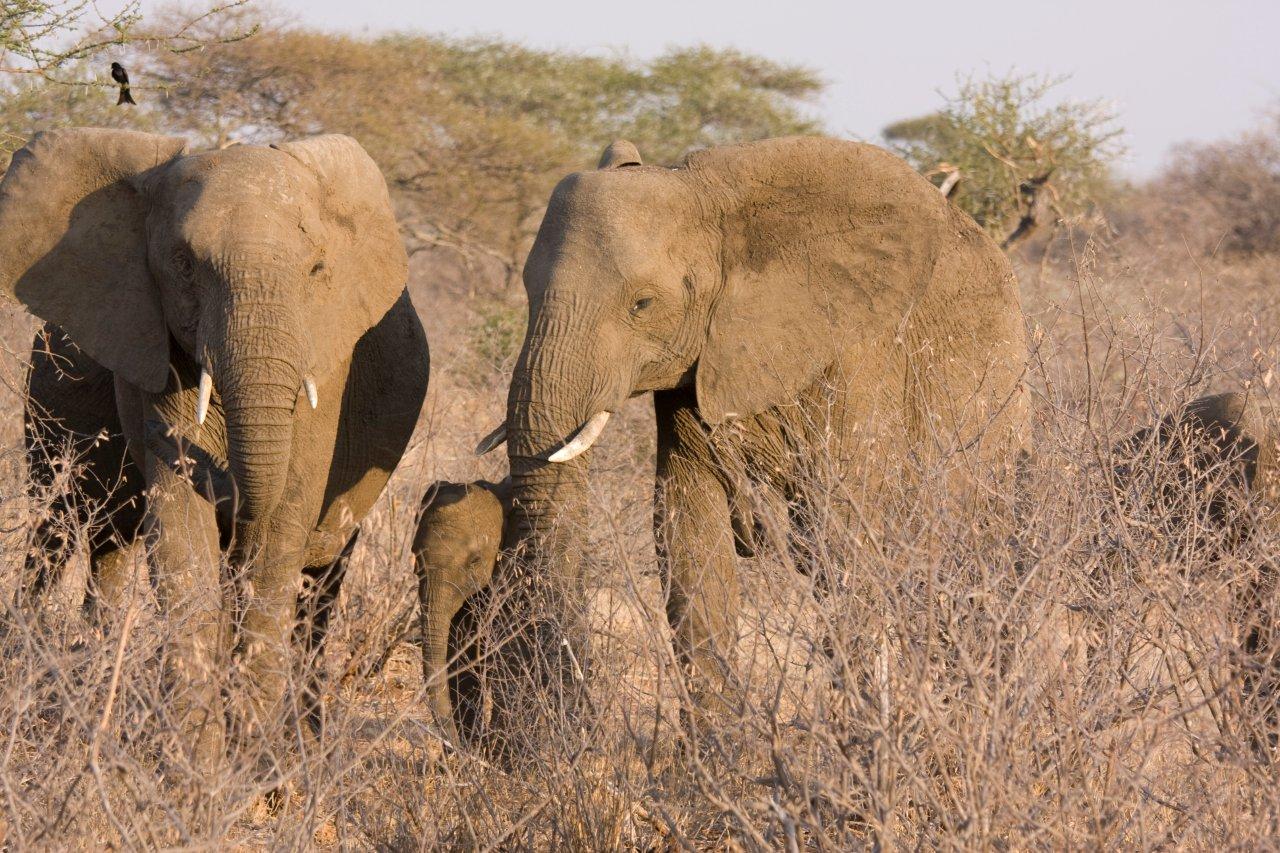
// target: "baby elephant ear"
[[619, 155]]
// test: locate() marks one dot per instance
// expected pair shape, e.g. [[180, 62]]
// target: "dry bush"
[[1054, 665], [1212, 199]]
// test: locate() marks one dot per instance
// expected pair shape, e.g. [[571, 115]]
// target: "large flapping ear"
[[73, 244], [366, 267], [825, 243], [619, 155]]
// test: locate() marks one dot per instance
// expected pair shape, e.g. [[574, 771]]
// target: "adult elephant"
[[220, 288], [811, 308]]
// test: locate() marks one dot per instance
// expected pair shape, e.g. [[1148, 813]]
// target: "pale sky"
[[1174, 69]]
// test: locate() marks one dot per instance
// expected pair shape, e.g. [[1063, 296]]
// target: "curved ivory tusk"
[[206, 391], [309, 385], [583, 440], [492, 440]]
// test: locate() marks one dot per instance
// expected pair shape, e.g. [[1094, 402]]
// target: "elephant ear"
[[367, 267], [827, 245], [73, 245], [620, 155]]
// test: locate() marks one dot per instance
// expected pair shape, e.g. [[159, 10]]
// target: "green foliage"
[[42, 38], [1013, 146], [472, 134], [53, 72]]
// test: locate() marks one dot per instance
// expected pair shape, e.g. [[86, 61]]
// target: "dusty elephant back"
[[967, 349]]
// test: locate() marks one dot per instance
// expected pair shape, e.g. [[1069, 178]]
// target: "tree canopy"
[[471, 134], [1011, 151]]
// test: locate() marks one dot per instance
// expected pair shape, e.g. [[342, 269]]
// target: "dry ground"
[[1074, 681]]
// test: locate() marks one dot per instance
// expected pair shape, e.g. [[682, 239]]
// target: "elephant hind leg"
[[46, 559], [320, 588]]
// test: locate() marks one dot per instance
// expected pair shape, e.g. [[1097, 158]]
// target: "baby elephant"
[[1206, 480], [1210, 459], [455, 550]]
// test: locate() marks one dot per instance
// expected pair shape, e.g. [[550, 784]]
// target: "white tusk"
[[583, 440], [309, 385], [206, 391], [492, 440]]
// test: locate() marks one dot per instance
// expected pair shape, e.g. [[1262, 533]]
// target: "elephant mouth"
[[575, 444], [308, 387]]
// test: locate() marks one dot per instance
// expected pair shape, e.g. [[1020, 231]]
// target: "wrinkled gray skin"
[[70, 417], [266, 267], [455, 550], [775, 297]]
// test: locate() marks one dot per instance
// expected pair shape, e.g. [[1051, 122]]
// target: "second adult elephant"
[[787, 302], [221, 289]]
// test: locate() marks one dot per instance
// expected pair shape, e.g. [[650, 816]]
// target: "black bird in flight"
[[122, 77]]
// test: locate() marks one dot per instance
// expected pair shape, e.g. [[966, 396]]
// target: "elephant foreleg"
[[695, 545], [181, 529], [320, 587], [272, 556]]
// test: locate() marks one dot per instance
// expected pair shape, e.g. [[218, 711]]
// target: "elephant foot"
[[271, 806], [445, 733]]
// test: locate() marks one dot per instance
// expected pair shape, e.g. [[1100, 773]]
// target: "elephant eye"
[[642, 304], [318, 267], [183, 264]]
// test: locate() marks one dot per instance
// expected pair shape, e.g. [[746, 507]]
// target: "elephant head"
[[260, 266], [740, 274]]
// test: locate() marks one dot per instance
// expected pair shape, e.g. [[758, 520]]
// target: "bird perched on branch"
[[122, 77]]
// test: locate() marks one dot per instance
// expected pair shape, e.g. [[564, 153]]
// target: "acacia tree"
[[52, 68], [1009, 156], [43, 38], [471, 134]]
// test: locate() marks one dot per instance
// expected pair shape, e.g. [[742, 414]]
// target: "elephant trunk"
[[439, 602], [256, 357], [548, 516], [552, 395], [548, 511]]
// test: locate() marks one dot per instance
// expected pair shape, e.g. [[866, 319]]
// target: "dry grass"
[[1081, 679]]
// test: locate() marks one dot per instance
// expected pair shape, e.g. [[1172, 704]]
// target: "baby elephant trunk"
[[455, 550]]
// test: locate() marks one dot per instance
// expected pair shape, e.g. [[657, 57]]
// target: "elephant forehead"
[[621, 201], [621, 224], [251, 175]]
